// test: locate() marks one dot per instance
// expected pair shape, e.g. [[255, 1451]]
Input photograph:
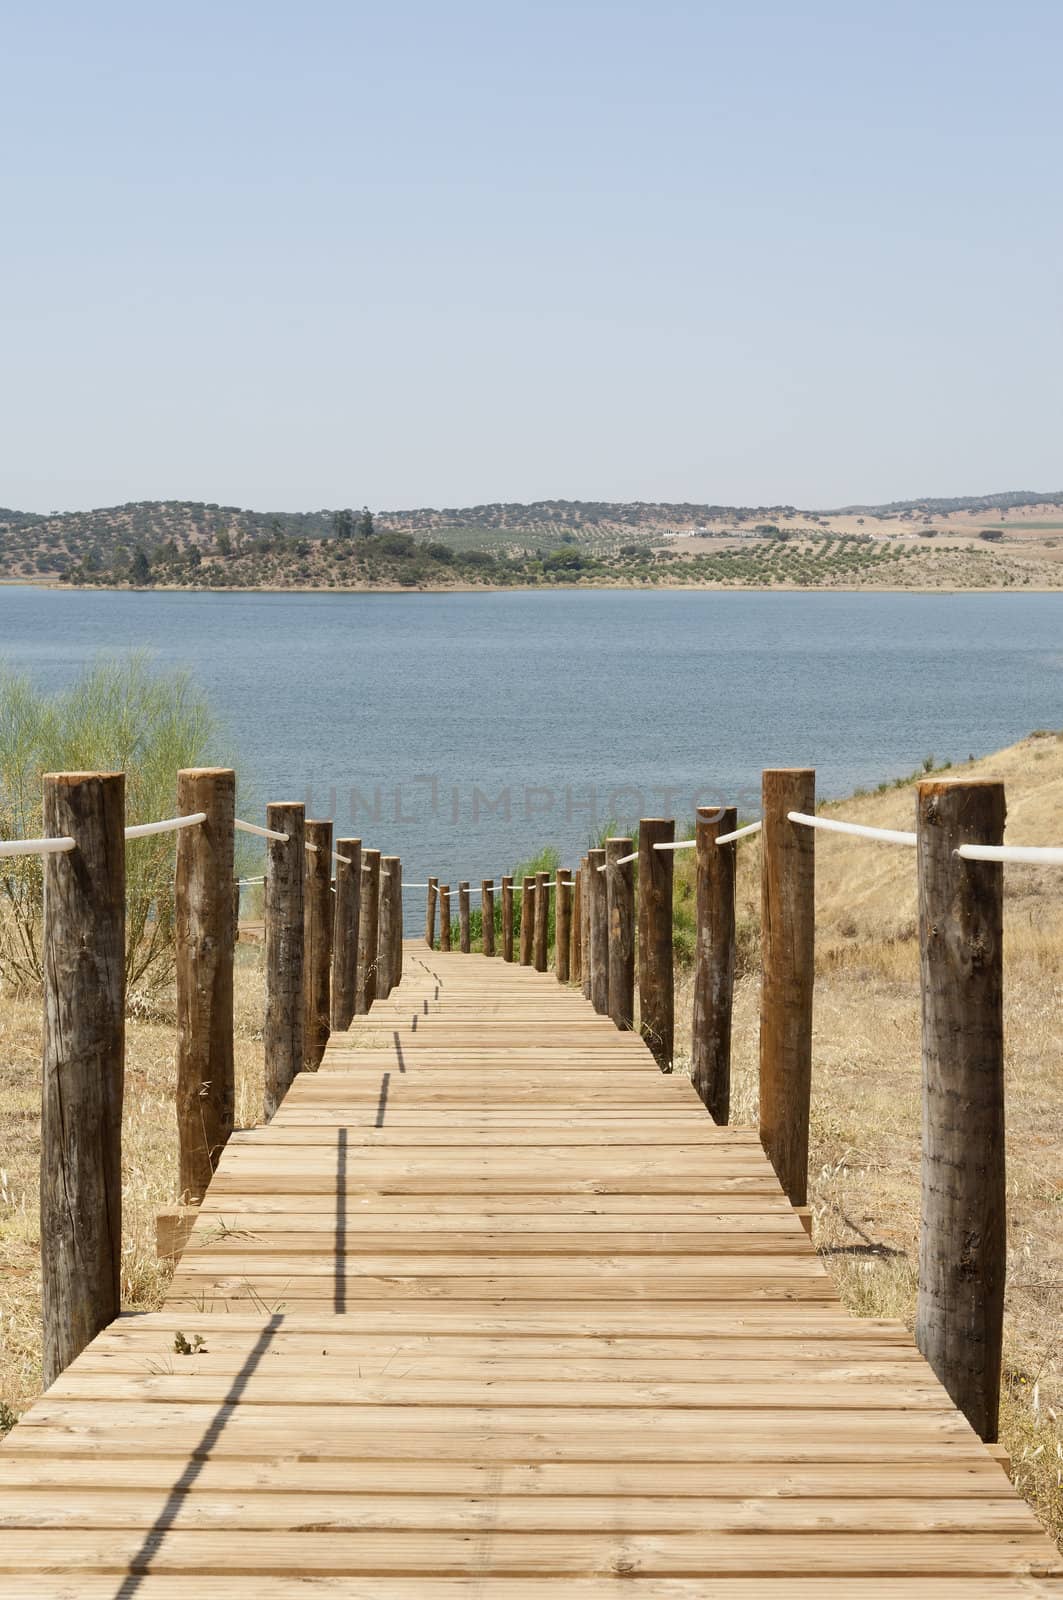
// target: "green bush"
[[118, 717]]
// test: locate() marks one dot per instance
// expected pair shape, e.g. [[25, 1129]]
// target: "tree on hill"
[[140, 567], [366, 526], [342, 524]]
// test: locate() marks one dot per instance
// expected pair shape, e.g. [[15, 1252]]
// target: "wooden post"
[[365, 990], [599, 930], [788, 932], [656, 982], [541, 929], [444, 916], [563, 924], [83, 1063], [203, 961], [487, 915], [575, 939], [714, 961], [620, 902], [317, 924], [430, 914], [527, 920], [285, 873], [346, 915], [507, 919], [397, 922], [464, 938], [585, 930], [389, 926], [962, 1240]]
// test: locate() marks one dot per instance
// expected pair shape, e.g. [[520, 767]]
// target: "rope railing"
[[260, 833], [688, 844], [518, 888], [857, 829], [63, 844], [143, 830], [1033, 854], [37, 847], [740, 833]]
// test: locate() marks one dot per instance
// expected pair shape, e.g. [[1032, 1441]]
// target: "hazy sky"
[[317, 254]]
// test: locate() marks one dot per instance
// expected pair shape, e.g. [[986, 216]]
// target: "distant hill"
[[1010, 501], [113, 543]]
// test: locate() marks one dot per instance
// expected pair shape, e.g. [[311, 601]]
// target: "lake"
[[465, 731]]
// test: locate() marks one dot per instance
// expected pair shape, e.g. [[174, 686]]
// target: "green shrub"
[[118, 717]]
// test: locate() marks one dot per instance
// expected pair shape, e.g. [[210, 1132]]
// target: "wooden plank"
[[431, 1553], [846, 1586]]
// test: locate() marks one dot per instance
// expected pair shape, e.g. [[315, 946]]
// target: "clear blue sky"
[[321, 254]]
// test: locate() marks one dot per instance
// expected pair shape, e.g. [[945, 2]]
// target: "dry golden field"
[[865, 1115]]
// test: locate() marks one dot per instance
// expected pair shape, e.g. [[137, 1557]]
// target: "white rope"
[[680, 844], [857, 829], [37, 847], [142, 830], [245, 882], [260, 833], [346, 860], [1049, 855], [740, 833]]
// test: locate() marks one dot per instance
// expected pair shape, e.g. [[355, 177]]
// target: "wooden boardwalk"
[[493, 1309]]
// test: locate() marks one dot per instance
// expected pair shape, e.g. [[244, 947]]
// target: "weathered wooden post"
[[285, 961], [575, 938], [464, 937], [541, 929], [368, 925], [962, 1239], [714, 961], [444, 916], [389, 925], [563, 924], [656, 982], [585, 929], [527, 920], [487, 915], [317, 937], [788, 933], [599, 931], [430, 914], [620, 909], [507, 919], [83, 1062], [346, 916], [397, 923], [203, 963]]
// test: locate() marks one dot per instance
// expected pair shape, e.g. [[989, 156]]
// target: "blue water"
[[393, 712]]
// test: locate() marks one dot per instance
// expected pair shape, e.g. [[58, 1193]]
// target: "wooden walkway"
[[492, 1309]]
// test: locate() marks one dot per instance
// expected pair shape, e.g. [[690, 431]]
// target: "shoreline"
[[530, 588]]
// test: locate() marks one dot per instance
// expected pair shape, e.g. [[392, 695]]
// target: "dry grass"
[[865, 1116], [149, 1158]]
